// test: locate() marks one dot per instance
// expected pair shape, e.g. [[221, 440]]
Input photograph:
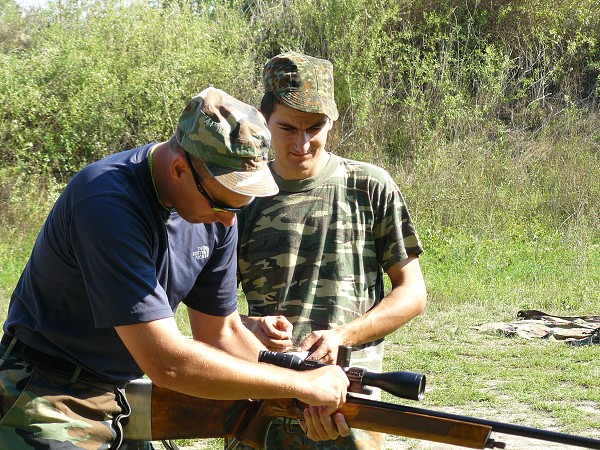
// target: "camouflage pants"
[[40, 409], [295, 439]]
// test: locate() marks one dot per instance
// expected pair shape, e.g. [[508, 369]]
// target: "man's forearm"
[[391, 313], [249, 322], [242, 343], [403, 303], [237, 340]]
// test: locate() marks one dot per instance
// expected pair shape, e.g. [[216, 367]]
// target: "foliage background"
[[485, 112]]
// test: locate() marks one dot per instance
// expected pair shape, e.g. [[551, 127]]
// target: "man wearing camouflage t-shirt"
[[314, 255]]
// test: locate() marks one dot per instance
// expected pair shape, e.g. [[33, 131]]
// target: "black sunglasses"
[[214, 205]]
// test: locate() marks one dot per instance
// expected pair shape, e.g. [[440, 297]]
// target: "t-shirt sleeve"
[[395, 233]]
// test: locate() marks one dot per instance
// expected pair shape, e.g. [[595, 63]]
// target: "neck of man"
[[160, 167]]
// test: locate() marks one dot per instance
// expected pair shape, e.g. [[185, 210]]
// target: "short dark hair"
[[267, 104]]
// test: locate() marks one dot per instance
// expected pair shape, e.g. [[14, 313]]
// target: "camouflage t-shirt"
[[317, 251]]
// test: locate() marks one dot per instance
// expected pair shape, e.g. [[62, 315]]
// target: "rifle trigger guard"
[[287, 427], [287, 423]]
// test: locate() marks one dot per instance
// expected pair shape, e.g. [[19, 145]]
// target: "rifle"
[[162, 414]]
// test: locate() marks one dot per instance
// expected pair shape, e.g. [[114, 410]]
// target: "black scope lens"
[[408, 385]]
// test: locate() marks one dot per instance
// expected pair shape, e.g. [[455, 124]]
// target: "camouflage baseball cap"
[[302, 82], [232, 139]]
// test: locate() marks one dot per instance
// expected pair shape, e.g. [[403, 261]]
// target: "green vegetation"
[[486, 113]]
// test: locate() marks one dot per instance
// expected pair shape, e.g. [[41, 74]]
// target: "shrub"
[[109, 76]]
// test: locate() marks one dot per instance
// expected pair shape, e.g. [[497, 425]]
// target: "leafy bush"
[[479, 104], [97, 77], [106, 77], [413, 70]]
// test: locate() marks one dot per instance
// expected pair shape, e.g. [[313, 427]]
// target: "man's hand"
[[275, 332], [322, 345], [326, 386], [320, 425]]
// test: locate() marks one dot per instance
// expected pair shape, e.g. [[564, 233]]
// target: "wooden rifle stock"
[[372, 415], [161, 414]]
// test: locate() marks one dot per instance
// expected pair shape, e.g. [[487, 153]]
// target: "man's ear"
[[179, 166]]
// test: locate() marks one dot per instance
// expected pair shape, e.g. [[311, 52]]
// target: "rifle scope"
[[408, 385]]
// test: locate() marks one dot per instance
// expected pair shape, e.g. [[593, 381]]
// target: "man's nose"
[[302, 140]]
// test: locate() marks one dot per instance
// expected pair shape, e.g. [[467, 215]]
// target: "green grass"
[[518, 271], [538, 383]]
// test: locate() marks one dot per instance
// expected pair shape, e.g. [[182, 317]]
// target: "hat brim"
[[311, 104], [255, 183]]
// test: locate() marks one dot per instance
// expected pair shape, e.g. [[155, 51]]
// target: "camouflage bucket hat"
[[232, 139], [302, 82]]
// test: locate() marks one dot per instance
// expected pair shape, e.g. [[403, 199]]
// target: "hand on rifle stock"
[[319, 425]]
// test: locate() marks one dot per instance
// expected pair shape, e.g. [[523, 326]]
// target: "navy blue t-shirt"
[[109, 254]]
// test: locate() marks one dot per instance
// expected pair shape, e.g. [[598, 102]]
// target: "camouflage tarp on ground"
[[583, 330]]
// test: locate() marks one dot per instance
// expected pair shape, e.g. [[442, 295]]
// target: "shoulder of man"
[[366, 170]]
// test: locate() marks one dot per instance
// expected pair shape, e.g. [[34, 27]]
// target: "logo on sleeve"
[[201, 253]]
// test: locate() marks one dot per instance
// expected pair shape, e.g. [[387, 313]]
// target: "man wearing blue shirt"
[[131, 237]]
